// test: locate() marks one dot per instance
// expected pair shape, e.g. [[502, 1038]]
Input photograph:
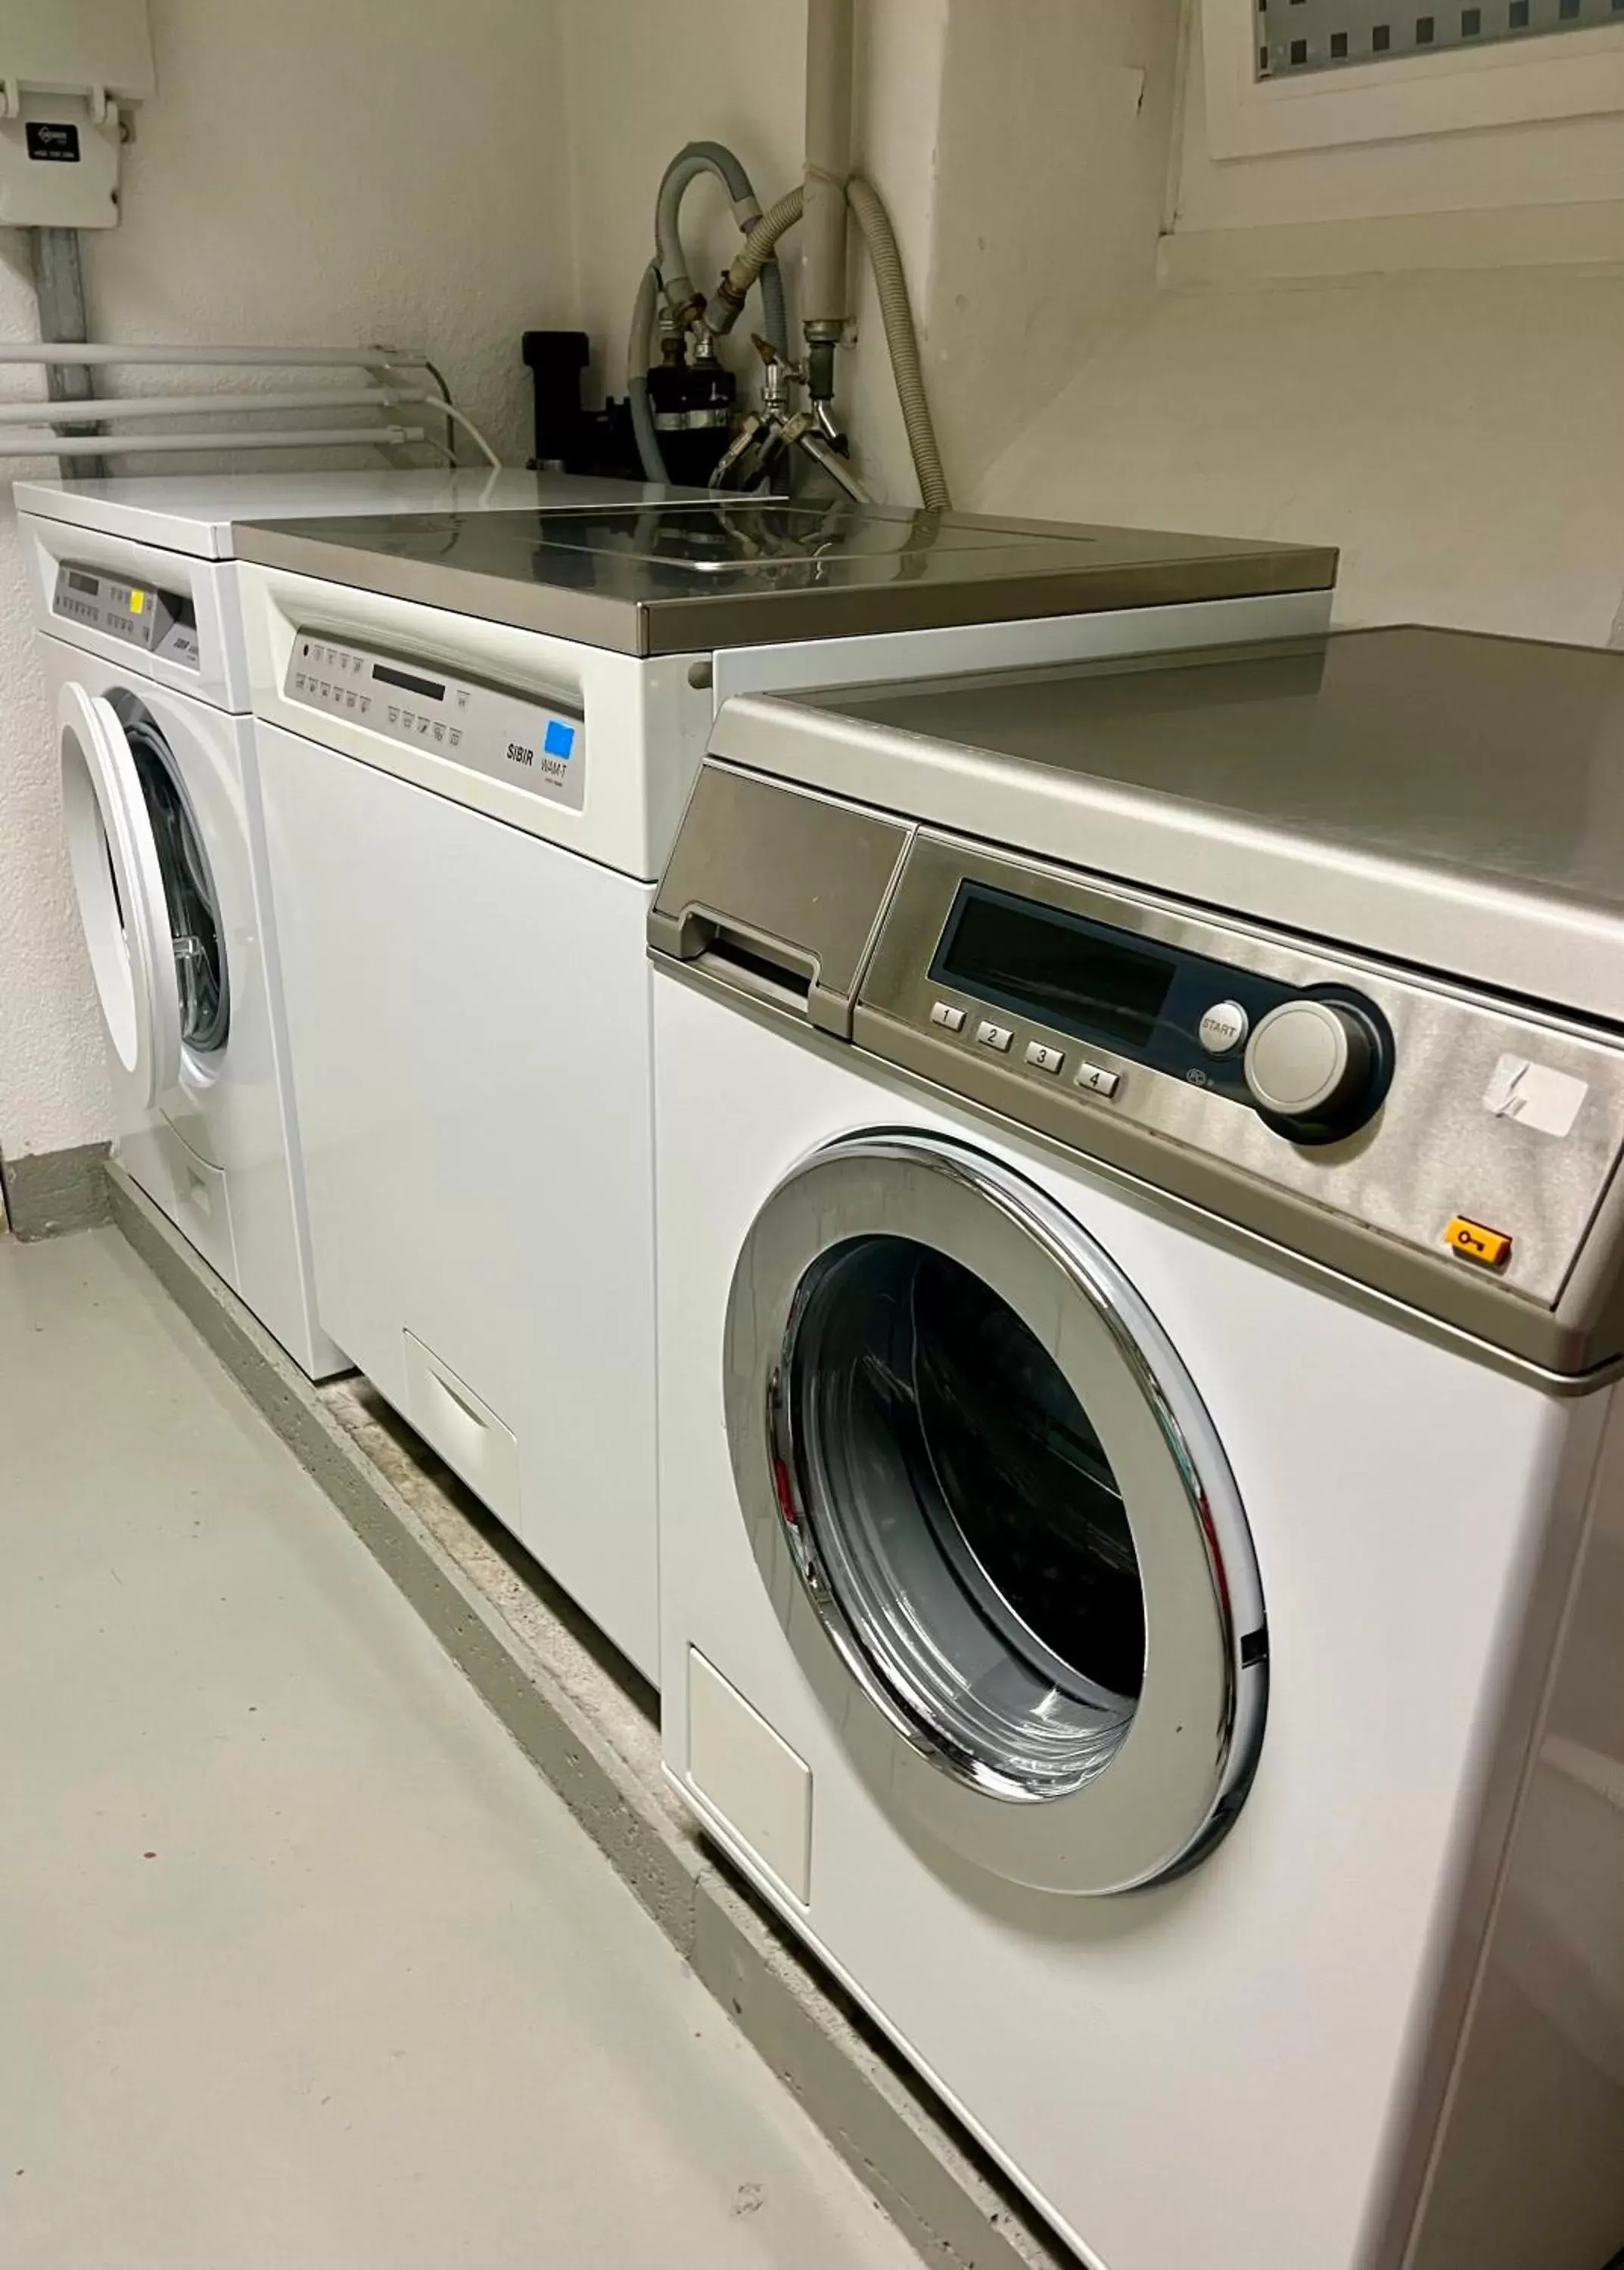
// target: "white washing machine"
[[135, 594], [479, 737], [1142, 1476]]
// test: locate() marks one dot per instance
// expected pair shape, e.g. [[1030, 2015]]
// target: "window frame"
[[1567, 75]]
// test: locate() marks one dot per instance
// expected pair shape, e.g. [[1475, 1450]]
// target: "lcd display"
[[408, 684], [1058, 970], [85, 583]]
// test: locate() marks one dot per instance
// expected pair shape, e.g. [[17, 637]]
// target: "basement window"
[[1311, 74]]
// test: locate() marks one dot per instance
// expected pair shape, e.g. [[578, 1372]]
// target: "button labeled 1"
[[942, 1012]]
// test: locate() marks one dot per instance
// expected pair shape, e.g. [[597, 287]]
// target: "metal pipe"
[[374, 358], [59, 299], [141, 445], [828, 169], [209, 405]]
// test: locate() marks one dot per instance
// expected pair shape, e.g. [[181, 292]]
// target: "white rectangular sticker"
[[1534, 1096]]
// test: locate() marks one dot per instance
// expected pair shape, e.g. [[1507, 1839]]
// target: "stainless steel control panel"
[[533, 744], [137, 614], [1484, 1136]]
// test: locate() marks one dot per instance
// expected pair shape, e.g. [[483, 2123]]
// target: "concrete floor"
[[300, 1963]]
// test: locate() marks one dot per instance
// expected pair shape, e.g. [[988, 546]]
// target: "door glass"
[[189, 893], [964, 1515]]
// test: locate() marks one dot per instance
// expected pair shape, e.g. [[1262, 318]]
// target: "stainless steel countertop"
[[1452, 801], [686, 577]]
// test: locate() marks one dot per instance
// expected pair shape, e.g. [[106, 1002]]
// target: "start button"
[[1223, 1027]]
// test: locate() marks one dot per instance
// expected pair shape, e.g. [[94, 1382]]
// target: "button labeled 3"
[[1044, 1059]]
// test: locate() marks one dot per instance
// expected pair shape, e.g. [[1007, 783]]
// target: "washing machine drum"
[[993, 1518], [147, 898]]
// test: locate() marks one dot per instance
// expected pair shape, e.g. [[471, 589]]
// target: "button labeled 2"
[[994, 1036], [1490, 1248]]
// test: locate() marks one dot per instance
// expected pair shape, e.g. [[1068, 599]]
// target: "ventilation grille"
[[1316, 36]]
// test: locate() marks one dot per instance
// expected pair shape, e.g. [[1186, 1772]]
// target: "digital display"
[[407, 684], [85, 583], [1058, 970]]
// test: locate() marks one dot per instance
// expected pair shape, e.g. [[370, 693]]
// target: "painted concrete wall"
[[1051, 178], [1456, 432], [53, 1084], [301, 177]]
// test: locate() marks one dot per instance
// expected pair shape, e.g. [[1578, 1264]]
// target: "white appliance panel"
[[1222, 2069], [646, 721], [469, 1013]]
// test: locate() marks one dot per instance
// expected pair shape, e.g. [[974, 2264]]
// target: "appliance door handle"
[[118, 881]]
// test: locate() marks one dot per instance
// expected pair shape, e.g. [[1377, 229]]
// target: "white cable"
[[449, 409]]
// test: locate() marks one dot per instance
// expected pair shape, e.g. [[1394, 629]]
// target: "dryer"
[[1142, 1468], [135, 596], [479, 737]]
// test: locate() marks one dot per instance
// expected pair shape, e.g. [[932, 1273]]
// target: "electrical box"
[[69, 69]]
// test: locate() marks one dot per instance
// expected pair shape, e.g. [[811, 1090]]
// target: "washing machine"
[[478, 736], [1142, 1475], [134, 589]]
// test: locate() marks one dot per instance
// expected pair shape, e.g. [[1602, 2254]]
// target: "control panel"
[[137, 614], [1316, 1060], [536, 746], [1468, 1130]]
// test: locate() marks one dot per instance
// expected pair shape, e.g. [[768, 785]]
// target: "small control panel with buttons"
[[530, 744], [160, 623]]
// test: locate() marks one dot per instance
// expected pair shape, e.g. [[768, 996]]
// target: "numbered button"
[[1044, 1059], [995, 1036], [942, 1012]]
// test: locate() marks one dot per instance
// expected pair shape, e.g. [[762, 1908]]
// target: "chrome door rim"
[[1168, 1787], [111, 848]]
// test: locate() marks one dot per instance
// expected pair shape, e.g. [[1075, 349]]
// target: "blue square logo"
[[559, 739]]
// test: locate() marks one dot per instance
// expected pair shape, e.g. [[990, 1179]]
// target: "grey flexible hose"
[[697, 158], [891, 284], [757, 249], [648, 439]]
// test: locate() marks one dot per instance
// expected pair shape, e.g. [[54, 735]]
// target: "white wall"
[[306, 173], [1454, 429], [53, 1084], [1457, 435]]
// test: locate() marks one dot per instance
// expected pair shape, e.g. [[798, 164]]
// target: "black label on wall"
[[54, 145]]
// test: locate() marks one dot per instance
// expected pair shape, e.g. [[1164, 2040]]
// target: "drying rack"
[[392, 380]]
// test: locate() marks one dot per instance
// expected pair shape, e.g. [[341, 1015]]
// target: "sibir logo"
[[518, 754]]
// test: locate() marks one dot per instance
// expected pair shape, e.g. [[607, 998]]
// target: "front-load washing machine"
[[1142, 1477], [135, 595], [479, 737]]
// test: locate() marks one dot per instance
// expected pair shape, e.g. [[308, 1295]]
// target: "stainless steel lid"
[[688, 577], [1430, 797]]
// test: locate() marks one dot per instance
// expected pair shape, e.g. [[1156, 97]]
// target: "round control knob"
[[1309, 1061]]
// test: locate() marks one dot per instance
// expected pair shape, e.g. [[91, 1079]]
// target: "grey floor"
[[300, 1963]]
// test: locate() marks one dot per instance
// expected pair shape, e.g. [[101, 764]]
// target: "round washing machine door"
[[146, 897], [993, 1517]]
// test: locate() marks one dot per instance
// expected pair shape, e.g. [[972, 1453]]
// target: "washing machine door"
[[993, 1517], [146, 897]]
